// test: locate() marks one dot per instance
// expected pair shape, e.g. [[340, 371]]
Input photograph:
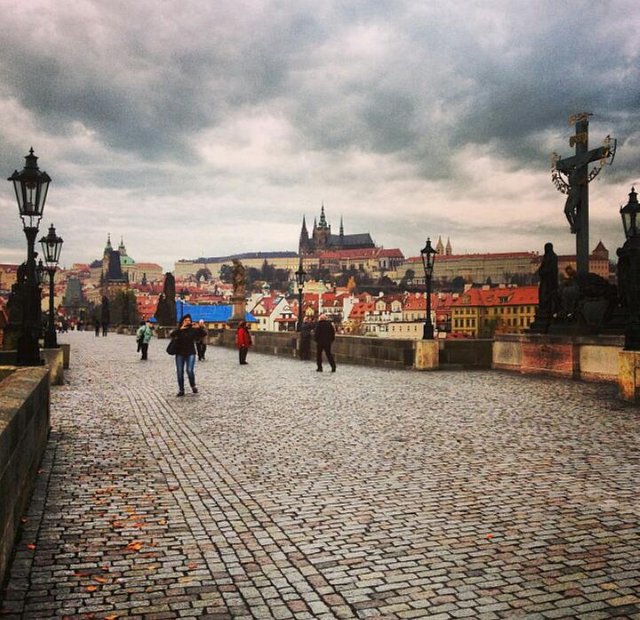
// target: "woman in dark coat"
[[185, 337]]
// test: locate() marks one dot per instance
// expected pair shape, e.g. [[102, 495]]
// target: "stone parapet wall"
[[584, 358], [24, 429], [466, 353], [385, 352], [381, 352]]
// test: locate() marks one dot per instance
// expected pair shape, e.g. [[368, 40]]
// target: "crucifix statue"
[[578, 176]]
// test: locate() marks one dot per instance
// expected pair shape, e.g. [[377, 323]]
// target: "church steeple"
[[321, 232], [448, 250], [303, 243], [323, 219], [121, 248], [341, 228], [440, 246]]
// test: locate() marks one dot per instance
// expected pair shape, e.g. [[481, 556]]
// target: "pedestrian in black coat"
[[186, 336], [324, 335]]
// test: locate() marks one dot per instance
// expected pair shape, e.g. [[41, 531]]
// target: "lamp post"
[[51, 247], [629, 271], [31, 186], [428, 258], [300, 276]]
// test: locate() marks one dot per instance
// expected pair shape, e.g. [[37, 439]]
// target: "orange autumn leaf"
[[103, 491], [79, 574], [112, 617], [101, 579], [91, 588], [135, 545], [192, 565]]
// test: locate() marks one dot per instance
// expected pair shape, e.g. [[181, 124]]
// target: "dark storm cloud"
[[378, 76], [146, 83]]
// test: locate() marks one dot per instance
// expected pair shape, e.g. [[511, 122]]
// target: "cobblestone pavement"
[[279, 492]]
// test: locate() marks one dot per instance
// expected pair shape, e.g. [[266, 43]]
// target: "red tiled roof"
[[366, 253], [360, 309], [514, 296]]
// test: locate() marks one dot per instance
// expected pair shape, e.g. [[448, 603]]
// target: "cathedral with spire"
[[116, 269], [322, 238]]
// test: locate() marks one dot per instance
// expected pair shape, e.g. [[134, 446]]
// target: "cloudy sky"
[[202, 128]]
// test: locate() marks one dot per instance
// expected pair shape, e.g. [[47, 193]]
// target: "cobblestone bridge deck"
[[279, 492]]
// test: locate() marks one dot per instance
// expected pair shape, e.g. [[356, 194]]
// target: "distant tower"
[[448, 251], [106, 255], [439, 246], [121, 249], [321, 232], [341, 232], [303, 244]]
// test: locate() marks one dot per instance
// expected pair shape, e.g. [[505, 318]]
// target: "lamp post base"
[[50, 340], [427, 334]]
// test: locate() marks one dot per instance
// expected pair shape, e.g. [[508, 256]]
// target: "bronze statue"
[[548, 287]]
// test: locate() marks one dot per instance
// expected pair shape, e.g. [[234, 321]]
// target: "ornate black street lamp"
[[428, 258], [51, 247], [31, 186], [41, 273], [629, 271], [301, 274]]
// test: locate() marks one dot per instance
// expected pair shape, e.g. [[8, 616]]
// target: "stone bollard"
[[54, 361], [66, 355], [427, 355], [629, 376]]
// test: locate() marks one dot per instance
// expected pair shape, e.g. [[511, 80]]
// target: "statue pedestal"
[[239, 304]]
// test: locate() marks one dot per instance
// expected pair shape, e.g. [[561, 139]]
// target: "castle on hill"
[[322, 238]]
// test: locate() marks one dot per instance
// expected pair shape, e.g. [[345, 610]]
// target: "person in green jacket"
[[143, 336]]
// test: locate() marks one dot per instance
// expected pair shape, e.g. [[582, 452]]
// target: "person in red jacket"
[[243, 341]]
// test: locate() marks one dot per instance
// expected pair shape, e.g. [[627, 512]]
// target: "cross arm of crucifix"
[[569, 164]]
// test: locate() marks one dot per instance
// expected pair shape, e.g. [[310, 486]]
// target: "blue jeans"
[[190, 362]]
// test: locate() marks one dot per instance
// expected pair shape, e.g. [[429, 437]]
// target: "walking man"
[[324, 336]]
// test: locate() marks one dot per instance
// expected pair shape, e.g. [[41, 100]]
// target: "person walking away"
[[143, 336], [306, 330], [185, 336], [243, 341], [97, 327], [324, 335], [201, 344]]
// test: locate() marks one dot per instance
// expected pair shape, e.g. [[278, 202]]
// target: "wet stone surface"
[[279, 492]]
